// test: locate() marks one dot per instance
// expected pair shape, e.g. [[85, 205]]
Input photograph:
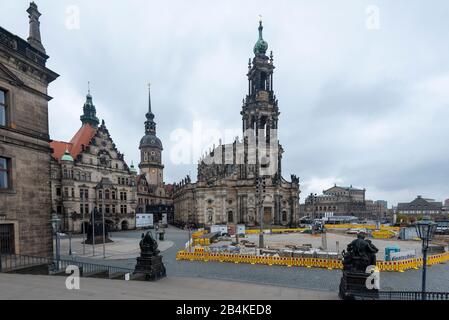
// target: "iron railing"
[[412, 295], [403, 295], [12, 262], [88, 268]]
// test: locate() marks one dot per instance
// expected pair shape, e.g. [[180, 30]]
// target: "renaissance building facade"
[[25, 206], [90, 172], [242, 182]]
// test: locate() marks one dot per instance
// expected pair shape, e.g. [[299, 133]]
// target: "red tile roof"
[[82, 137]]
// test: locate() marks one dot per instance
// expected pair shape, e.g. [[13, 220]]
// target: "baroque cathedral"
[[90, 172], [242, 182]]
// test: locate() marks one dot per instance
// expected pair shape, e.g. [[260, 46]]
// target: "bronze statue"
[[148, 245], [149, 264], [360, 254]]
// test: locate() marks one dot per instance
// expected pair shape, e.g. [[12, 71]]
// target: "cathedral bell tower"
[[260, 111], [151, 150]]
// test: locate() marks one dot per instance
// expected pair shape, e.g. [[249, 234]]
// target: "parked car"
[[356, 230]]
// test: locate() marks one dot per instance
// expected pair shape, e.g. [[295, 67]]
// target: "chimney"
[[34, 38]]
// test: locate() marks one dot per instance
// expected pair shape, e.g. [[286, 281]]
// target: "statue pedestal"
[[98, 240], [150, 267], [353, 284]]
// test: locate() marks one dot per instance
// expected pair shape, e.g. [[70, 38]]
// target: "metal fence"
[[14, 262], [402, 295], [412, 295], [10, 262], [87, 268]]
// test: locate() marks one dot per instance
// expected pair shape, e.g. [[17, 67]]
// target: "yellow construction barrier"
[[276, 230], [200, 254], [361, 226], [383, 234]]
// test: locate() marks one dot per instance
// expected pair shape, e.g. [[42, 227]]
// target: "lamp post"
[[190, 249], [94, 213], [103, 209], [83, 225], [70, 243], [55, 221], [425, 230]]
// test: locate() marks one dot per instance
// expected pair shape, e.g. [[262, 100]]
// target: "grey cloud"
[[352, 108]]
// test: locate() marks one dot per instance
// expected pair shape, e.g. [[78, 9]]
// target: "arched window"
[[106, 194]]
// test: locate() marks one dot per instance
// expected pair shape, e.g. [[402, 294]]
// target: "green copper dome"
[[261, 46], [67, 156]]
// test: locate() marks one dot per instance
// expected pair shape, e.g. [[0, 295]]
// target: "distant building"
[[420, 207], [343, 201], [382, 203], [25, 206]]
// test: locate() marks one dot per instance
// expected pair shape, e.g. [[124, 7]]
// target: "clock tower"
[[151, 151]]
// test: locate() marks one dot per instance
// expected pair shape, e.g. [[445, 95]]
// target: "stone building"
[[337, 201], [25, 205], [153, 195], [421, 207], [241, 182], [88, 172]]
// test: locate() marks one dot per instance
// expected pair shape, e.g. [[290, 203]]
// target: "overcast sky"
[[363, 86]]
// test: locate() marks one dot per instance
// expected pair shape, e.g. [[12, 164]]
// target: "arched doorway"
[[230, 216], [124, 225], [109, 224]]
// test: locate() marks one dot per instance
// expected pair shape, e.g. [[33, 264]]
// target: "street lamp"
[[425, 230], [55, 221]]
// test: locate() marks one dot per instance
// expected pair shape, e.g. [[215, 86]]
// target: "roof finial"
[[88, 87], [261, 45], [260, 26]]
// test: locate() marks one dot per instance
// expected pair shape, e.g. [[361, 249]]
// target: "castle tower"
[[151, 150], [260, 112], [89, 112]]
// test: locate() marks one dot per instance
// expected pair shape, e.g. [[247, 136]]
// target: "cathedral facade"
[[90, 172], [153, 195], [242, 182]]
